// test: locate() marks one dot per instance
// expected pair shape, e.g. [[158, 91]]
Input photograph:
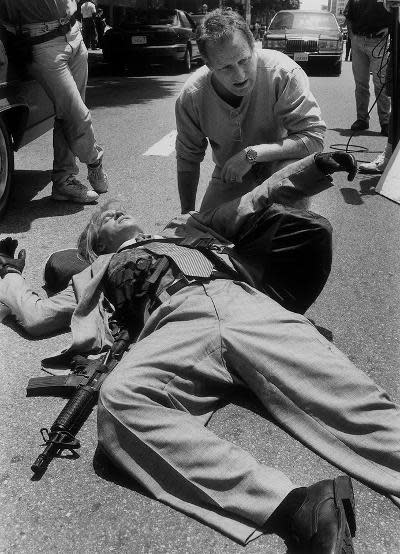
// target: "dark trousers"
[[348, 48], [89, 32], [288, 253]]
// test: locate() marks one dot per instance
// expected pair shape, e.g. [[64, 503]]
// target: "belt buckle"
[[44, 28], [189, 280], [65, 25], [221, 248]]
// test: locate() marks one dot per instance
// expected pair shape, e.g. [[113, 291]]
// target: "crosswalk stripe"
[[164, 147]]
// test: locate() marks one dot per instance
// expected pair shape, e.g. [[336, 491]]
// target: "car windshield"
[[303, 20], [148, 17]]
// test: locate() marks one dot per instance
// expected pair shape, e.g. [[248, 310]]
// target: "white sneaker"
[[376, 166], [74, 191], [97, 177]]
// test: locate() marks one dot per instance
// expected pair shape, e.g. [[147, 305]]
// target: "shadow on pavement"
[[368, 185], [349, 132], [126, 90], [351, 196], [367, 188], [105, 469], [23, 208]]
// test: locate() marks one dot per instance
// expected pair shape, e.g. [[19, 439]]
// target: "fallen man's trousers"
[[193, 351]]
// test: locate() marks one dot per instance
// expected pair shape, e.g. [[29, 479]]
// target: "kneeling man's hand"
[[235, 168]]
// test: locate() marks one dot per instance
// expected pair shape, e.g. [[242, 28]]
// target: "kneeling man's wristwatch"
[[251, 155]]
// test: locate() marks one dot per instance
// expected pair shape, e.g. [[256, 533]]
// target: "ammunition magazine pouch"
[[137, 281]]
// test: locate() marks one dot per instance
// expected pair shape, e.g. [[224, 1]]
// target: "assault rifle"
[[85, 385]]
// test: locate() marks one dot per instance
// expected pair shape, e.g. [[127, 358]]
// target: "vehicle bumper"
[[174, 52], [313, 57]]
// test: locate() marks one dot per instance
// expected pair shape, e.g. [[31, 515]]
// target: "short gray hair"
[[218, 26]]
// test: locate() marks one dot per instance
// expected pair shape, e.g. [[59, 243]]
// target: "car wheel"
[[6, 166], [185, 65]]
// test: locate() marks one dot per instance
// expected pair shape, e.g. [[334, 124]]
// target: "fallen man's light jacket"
[[227, 223]]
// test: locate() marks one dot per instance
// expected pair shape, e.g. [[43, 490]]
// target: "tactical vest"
[[145, 274]]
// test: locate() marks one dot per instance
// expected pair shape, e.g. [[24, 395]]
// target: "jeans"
[[367, 56], [60, 66]]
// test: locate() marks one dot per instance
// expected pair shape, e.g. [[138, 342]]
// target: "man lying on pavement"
[[210, 313]]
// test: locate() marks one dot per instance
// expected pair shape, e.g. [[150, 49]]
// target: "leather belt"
[[180, 284], [183, 282], [37, 33], [64, 28]]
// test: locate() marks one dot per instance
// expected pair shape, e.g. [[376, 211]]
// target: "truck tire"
[[6, 166]]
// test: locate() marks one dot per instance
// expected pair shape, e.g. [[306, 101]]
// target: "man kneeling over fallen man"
[[217, 303]]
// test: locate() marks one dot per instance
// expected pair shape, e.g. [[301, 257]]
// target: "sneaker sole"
[[370, 171], [65, 198], [99, 190]]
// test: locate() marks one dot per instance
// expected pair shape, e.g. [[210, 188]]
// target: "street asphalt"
[[84, 505]]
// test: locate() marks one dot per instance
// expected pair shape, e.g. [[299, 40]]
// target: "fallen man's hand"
[[8, 262], [330, 162]]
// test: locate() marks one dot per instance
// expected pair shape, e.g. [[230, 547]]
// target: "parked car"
[[26, 113], [152, 36], [307, 36]]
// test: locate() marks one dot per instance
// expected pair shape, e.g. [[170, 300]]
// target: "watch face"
[[251, 155]]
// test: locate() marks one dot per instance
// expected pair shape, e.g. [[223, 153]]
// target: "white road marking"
[[164, 147]]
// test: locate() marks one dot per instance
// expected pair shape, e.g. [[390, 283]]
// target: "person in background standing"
[[379, 164], [256, 30], [88, 11], [59, 63], [100, 22], [368, 26], [348, 48]]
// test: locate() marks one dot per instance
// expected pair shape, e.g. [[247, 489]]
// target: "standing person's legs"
[[379, 60], [78, 126], [361, 69], [379, 164], [311, 388], [94, 37], [85, 32], [348, 47], [151, 418], [74, 136], [64, 159]]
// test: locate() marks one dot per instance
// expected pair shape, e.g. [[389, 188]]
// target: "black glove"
[[8, 262], [330, 162]]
